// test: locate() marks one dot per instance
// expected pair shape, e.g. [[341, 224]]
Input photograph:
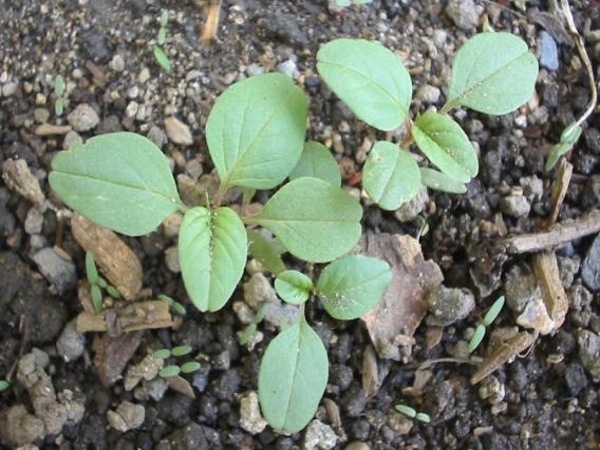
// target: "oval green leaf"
[[120, 181], [292, 378], [350, 286], [162, 58], [190, 366], [317, 161], [440, 181], [212, 253], [369, 78], [493, 73], [494, 310], [181, 350], [293, 287], [255, 131], [163, 353], [314, 220], [169, 371], [4, 385], [265, 252], [447, 146], [478, 336], [91, 271], [390, 176]]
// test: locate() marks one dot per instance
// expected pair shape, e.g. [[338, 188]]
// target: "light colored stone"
[[319, 436], [178, 131], [250, 418], [83, 118]]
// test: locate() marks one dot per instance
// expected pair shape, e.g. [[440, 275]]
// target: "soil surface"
[[546, 398]]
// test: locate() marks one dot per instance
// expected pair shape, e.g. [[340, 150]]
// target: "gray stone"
[[410, 210], [128, 416], [463, 13], [319, 436], [83, 118], [178, 131], [34, 221], [56, 269], [9, 88], [250, 418], [288, 67], [515, 205], [548, 51], [520, 288], [590, 270], [428, 94], [589, 352], [449, 305], [172, 259], [258, 290], [157, 136], [71, 343], [117, 63]]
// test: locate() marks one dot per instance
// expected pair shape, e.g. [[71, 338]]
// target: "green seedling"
[[493, 73], [172, 370], [488, 319], [158, 49], [249, 331], [97, 283], [122, 181], [4, 385], [59, 90], [174, 305], [347, 3], [412, 413]]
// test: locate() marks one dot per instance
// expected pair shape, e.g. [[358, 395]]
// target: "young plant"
[[59, 90], [172, 370], [174, 305], [4, 385], [97, 283], [123, 181], [489, 317], [159, 53], [412, 413], [493, 73]]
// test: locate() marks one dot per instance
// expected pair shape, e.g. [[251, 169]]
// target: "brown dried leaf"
[[113, 353], [403, 305], [181, 385], [115, 259]]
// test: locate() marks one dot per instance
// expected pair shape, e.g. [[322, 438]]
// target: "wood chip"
[[213, 11], [559, 189], [555, 298], [150, 314], [403, 305], [370, 373], [504, 353], [114, 258], [113, 353], [18, 177], [47, 129]]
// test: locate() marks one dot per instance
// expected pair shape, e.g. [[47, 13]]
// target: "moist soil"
[[546, 398]]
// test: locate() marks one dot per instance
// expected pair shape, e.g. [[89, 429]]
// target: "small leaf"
[[369, 78], [246, 334], [164, 18], [91, 271], [4, 385], [390, 176], [179, 309], [292, 378], [190, 366], [255, 131], [477, 338], [165, 298], [161, 58], [102, 282], [120, 181], [59, 106], [447, 146], [314, 220], [423, 417], [440, 181], [406, 410], [59, 85], [96, 296], [568, 139], [493, 312], [169, 371], [162, 36], [163, 353], [293, 287], [350, 286], [112, 291], [493, 73], [181, 350], [265, 252], [346, 3], [317, 161], [212, 252]]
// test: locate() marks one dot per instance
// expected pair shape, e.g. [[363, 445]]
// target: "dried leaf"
[[403, 305], [113, 353], [116, 260]]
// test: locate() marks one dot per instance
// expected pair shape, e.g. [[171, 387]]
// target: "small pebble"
[[83, 118], [128, 416], [251, 419], [71, 343], [56, 269], [9, 88], [117, 63], [178, 131], [515, 205], [428, 94], [449, 305], [590, 269], [548, 51], [319, 436], [463, 13]]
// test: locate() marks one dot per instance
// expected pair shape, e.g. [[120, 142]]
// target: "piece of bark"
[[502, 354], [114, 258], [18, 177], [555, 298], [181, 385], [113, 354], [559, 189], [556, 236], [402, 307], [145, 315], [370, 373], [213, 11]]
